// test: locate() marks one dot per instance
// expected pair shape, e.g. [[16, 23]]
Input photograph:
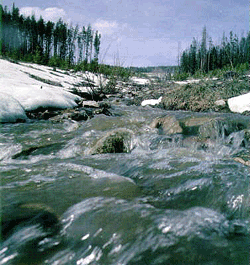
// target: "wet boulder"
[[29, 232], [213, 126], [80, 114], [115, 141], [204, 126], [167, 125], [19, 216]]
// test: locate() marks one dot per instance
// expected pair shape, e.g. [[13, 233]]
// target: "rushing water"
[[165, 202]]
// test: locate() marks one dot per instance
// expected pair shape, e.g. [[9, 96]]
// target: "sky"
[[141, 32]]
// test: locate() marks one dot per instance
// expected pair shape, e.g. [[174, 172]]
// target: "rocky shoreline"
[[212, 97], [206, 104]]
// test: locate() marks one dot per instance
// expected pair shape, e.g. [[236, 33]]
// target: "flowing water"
[[166, 202]]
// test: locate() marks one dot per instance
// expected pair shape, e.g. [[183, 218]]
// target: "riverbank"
[[31, 91]]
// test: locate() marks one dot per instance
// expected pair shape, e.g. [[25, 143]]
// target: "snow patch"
[[239, 104], [10, 109], [151, 102], [140, 81], [187, 82]]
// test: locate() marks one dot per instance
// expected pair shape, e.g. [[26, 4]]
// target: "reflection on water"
[[171, 200]]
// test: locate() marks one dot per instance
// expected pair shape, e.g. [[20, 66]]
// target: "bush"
[[201, 96], [242, 68], [181, 76]]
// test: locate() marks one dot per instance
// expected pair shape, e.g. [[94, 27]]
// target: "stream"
[[169, 200]]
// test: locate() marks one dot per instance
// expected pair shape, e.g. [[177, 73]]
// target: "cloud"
[[106, 27], [51, 13]]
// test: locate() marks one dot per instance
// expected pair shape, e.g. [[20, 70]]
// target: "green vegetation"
[[205, 57], [55, 44], [49, 43], [203, 95], [228, 62]]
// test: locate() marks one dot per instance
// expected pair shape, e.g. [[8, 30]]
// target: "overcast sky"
[[142, 32]]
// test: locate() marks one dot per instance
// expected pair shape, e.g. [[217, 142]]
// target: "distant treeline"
[[46, 42], [205, 56], [150, 69]]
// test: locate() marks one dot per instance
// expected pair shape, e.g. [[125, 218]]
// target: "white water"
[[168, 201]]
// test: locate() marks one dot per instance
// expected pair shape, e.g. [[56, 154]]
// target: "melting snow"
[[10, 109], [240, 103], [25, 87], [140, 81], [151, 102]]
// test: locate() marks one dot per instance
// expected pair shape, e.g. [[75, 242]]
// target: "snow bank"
[[240, 103], [21, 91], [34, 97], [10, 109]]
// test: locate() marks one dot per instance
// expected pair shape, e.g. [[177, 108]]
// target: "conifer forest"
[[46, 42]]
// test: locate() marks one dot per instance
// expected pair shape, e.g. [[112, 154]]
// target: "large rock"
[[204, 126], [115, 141], [213, 126], [168, 125], [239, 104]]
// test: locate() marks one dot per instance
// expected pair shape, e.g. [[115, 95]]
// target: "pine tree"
[[48, 39], [97, 42], [41, 34], [88, 43], [192, 57], [45, 42], [203, 49], [80, 46]]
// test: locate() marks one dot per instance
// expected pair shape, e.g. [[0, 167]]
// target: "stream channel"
[[171, 198]]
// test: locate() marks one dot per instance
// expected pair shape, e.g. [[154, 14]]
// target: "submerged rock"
[[80, 114], [24, 215], [205, 129], [38, 150], [116, 141]]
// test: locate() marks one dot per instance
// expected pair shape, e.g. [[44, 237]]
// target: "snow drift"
[[26, 87], [10, 109]]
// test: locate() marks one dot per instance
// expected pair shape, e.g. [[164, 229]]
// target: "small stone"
[[90, 104], [220, 103]]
